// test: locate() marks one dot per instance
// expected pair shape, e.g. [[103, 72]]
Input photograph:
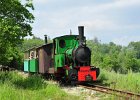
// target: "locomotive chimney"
[[46, 40], [81, 34]]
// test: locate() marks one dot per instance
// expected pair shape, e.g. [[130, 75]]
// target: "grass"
[[129, 82], [14, 87]]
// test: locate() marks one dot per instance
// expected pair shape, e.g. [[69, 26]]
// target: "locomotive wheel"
[[72, 76], [73, 83]]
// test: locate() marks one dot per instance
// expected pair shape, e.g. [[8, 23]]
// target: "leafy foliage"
[[15, 24], [115, 57], [30, 43]]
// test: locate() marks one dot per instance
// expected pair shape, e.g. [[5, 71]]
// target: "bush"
[[14, 87]]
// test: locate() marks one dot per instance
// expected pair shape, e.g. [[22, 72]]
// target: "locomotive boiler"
[[67, 58]]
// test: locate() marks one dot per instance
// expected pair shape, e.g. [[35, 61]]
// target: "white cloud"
[[116, 4], [92, 19], [40, 1], [98, 19], [126, 39], [98, 24]]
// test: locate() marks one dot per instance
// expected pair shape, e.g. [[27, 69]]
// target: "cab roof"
[[65, 36]]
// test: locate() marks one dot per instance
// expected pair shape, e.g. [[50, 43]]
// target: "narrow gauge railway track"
[[119, 93]]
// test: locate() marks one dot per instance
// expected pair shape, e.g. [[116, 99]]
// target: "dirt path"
[[86, 94]]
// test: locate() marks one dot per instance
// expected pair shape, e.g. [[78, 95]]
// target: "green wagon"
[[26, 65], [33, 65]]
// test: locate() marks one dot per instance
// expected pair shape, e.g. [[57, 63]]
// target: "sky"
[[115, 21]]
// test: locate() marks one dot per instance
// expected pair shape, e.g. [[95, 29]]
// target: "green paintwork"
[[26, 65], [59, 60], [71, 42], [33, 65], [69, 53]]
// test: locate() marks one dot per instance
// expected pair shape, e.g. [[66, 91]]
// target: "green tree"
[[136, 47], [130, 60], [15, 24], [30, 43]]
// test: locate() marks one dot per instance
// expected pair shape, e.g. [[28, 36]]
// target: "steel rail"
[[116, 92]]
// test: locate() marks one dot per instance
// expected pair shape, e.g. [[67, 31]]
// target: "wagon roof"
[[37, 47]]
